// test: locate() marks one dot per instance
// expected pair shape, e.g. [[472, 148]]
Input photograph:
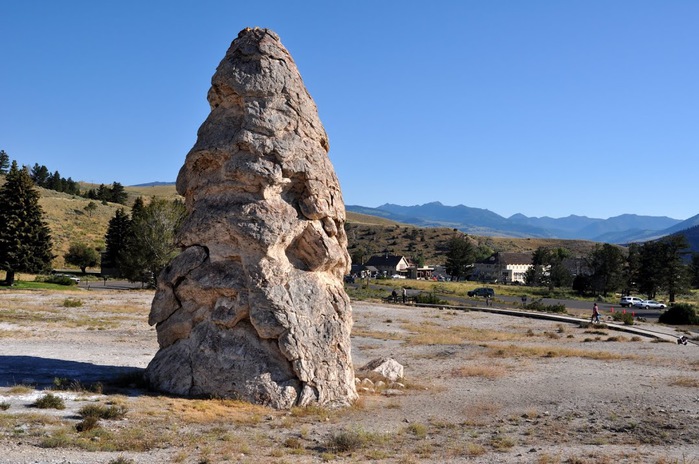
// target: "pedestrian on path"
[[595, 314]]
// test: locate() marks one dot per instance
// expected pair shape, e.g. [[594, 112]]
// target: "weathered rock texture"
[[254, 307]]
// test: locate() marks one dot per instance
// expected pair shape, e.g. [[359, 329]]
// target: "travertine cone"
[[254, 307]]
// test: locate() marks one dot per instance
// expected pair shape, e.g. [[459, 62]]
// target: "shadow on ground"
[[41, 372]]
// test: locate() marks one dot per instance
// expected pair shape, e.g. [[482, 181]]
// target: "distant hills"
[[477, 221]]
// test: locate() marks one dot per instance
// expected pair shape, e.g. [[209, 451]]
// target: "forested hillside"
[[74, 219]]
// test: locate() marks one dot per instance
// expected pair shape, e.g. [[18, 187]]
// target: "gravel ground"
[[478, 387]]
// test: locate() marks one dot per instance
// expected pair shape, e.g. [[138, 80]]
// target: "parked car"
[[71, 277], [649, 304], [482, 291], [397, 276], [628, 301]]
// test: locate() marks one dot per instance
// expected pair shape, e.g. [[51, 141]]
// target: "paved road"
[[109, 285], [516, 301]]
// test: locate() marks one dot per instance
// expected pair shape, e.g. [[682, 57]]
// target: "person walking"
[[595, 314], [405, 295]]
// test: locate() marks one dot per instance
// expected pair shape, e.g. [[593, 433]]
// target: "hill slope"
[[71, 223]]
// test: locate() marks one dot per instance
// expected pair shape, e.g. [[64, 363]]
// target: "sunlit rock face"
[[254, 307]]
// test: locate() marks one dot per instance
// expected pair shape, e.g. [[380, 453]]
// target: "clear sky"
[[546, 108]]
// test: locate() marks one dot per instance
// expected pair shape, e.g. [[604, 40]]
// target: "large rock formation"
[[254, 306]]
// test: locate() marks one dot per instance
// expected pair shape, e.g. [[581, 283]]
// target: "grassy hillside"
[[431, 243], [71, 223]]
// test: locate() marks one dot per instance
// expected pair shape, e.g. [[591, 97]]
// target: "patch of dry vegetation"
[[549, 351], [486, 371], [430, 333], [684, 381]]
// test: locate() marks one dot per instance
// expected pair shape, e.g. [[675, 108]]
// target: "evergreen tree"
[[25, 239], [118, 194], [118, 232], [4, 162], [460, 257], [40, 175], [663, 268], [694, 270], [607, 265], [90, 208]]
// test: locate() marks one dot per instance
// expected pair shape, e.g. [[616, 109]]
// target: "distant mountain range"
[[622, 229], [153, 184]]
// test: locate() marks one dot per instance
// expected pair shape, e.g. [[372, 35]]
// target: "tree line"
[[43, 177], [660, 266], [138, 246]]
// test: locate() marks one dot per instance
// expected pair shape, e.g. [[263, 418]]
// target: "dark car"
[[482, 291]]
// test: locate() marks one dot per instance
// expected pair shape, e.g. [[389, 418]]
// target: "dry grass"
[[486, 371], [358, 331], [683, 381], [538, 351], [429, 333]]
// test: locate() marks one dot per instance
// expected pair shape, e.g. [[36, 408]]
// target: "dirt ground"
[[478, 388]]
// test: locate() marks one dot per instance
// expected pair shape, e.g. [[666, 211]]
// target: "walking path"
[[660, 332]]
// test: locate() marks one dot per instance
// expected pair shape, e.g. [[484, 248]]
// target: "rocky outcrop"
[[254, 306]]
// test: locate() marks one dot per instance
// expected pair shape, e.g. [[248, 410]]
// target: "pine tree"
[[118, 233], [4, 162], [118, 194], [25, 239]]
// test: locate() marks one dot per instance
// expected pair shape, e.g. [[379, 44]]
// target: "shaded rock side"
[[254, 307]]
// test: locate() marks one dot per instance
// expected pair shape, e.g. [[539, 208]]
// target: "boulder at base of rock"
[[254, 307], [388, 368]]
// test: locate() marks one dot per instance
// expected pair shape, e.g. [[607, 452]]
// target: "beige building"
[[505, 268]]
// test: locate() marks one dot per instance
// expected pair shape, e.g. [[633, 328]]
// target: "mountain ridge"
[[620, 229]]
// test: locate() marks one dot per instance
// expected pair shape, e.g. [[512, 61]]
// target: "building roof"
[[508, 258], [385, 261]]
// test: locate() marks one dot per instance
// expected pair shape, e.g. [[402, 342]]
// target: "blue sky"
[[546, 108]]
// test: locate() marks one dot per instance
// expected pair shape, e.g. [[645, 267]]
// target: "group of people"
[[394, 294]]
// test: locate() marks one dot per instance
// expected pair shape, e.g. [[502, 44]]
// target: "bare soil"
[[478, 388]]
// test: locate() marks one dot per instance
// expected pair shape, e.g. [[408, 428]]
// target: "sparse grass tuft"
[[66, 384], [122, 460], [20, 389]]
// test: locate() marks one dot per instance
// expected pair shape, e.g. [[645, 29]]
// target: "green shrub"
[[429, 298], [88, 423], [60, 280], [103, 412], [680, 314], [538, 305], [49, 401], [72, 303], [351, 440], [626, 318]]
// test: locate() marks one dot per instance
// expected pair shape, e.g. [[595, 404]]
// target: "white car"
[[628, 301], [397, 276], [649, 304]]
